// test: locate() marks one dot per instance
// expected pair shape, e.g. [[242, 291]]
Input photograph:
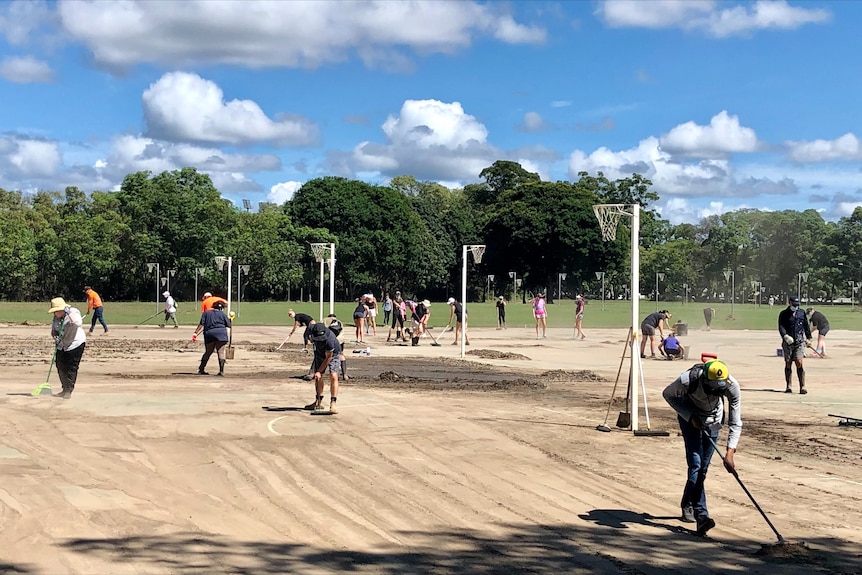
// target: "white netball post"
[[478, 252], [319, 250], [609, 216]]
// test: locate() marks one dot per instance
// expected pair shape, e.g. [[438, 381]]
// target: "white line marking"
[[831, 478], [553, 411], [271, 423]]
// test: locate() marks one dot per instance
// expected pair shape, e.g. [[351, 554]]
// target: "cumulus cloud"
[[429, 139], [724, 135], [846, 148], [533, 123], [19, 18], [283, 34], [283, 192], [23, 158], [182, 106], [26, 70], [671, 177], [715, 18]]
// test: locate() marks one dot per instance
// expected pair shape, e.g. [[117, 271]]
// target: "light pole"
[[730, 276], [198, 272], [220, 262], [601, 276], [170, 274], [560, 278], [240, 269], [488, 288], [478, 252], [514, 276], [155, 266], [685, 294], [800, 277], [658, 276]]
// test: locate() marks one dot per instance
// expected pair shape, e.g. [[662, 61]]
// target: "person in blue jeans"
[[696, 396]]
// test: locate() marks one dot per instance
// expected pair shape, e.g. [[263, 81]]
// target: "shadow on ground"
[[603, 546]]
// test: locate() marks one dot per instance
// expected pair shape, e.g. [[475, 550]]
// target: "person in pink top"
[[541, 314]]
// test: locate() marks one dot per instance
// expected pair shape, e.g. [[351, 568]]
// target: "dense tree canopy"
[[408, 235]]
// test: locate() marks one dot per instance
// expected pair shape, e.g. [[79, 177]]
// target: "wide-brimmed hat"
[[166, 294], [57, 304], [501, 297], [426, 303], [207, 294]]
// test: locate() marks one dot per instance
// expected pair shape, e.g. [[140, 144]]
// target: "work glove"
[[232, 315], [788, 339], [194, 337], [67, 310], [807, 342]]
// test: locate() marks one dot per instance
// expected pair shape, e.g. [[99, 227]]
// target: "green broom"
[[45, 388]]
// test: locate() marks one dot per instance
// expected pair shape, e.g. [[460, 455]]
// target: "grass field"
[[560, 314]]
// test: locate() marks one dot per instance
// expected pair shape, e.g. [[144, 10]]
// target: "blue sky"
[[722, 105]]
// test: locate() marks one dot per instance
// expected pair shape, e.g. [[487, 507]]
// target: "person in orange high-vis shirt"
[[94, 305], [209, 300]]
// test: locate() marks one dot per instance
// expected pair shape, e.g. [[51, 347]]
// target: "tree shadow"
[[603, 546]]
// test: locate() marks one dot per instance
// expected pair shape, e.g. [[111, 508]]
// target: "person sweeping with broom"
[[67, 328], [696, 396]]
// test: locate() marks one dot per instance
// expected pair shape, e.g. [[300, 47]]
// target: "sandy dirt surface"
[[434, 464]]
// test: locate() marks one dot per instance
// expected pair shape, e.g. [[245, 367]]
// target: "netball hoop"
[[609, 216]]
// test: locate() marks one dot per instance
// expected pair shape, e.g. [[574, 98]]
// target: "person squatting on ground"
[[399, 314], [541, 314], [215, 325], [820, 324], [671, 348], [501, 313], [360, 313], [579, 316], [301, 320], [94, 305], [170, 310], [67, 329], [708, 314], [696, 396], [795, 334], [456, 310], [327, 352], [651, 323]]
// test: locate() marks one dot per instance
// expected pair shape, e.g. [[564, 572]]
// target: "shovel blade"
[[624, 420]]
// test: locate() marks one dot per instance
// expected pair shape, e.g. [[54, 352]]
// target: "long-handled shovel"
[[782, 542], [604, 426]]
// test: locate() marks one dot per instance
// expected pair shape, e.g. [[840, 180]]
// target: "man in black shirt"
[[820, 324], [795, 334], [301, 320]]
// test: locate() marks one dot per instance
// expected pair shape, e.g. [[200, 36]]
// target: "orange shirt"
[[210, 301], [93, 300]]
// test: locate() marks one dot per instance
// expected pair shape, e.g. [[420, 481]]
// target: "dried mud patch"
[[559, 375], [494, 354]]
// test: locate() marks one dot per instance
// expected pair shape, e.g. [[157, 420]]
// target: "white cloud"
[[561, 103], [712, 17], [282, 34], [724, 135], [533, 123], [283, 191], [429, 139], [19, 18], [846, 148], [25, 70], [23, 158], [183, 106]]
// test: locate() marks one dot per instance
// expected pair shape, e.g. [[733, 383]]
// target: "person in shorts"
[[708, 314], [456, 311], [360, 314], [820, 324], [371, 319], [501, 313], [795, 334], [327, 355], [301, 320], [541, 315], [580, 304], [650, 324]]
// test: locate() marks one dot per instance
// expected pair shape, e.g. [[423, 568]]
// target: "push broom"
[[45, 388]]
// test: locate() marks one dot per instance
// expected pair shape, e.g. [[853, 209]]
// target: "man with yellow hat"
[[70, 339], [697, 397]]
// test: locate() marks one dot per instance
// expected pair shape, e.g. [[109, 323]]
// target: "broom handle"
[[54, 355]]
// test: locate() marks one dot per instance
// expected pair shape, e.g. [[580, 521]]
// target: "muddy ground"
[[434, 464]]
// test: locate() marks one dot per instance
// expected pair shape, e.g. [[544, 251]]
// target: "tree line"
[[408, 236]]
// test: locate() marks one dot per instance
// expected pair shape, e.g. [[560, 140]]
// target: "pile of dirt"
[[392, 376], [493, 354], [580, 375], [519, 383]]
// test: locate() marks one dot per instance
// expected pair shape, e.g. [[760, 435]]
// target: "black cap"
[[318, 332], [794, 300]]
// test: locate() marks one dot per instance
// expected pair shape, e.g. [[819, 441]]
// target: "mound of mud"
[[516, 384], [392, 376], [493, 354], [563, 375]]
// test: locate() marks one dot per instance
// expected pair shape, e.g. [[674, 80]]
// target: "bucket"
[[680, 328], [779, 352]]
